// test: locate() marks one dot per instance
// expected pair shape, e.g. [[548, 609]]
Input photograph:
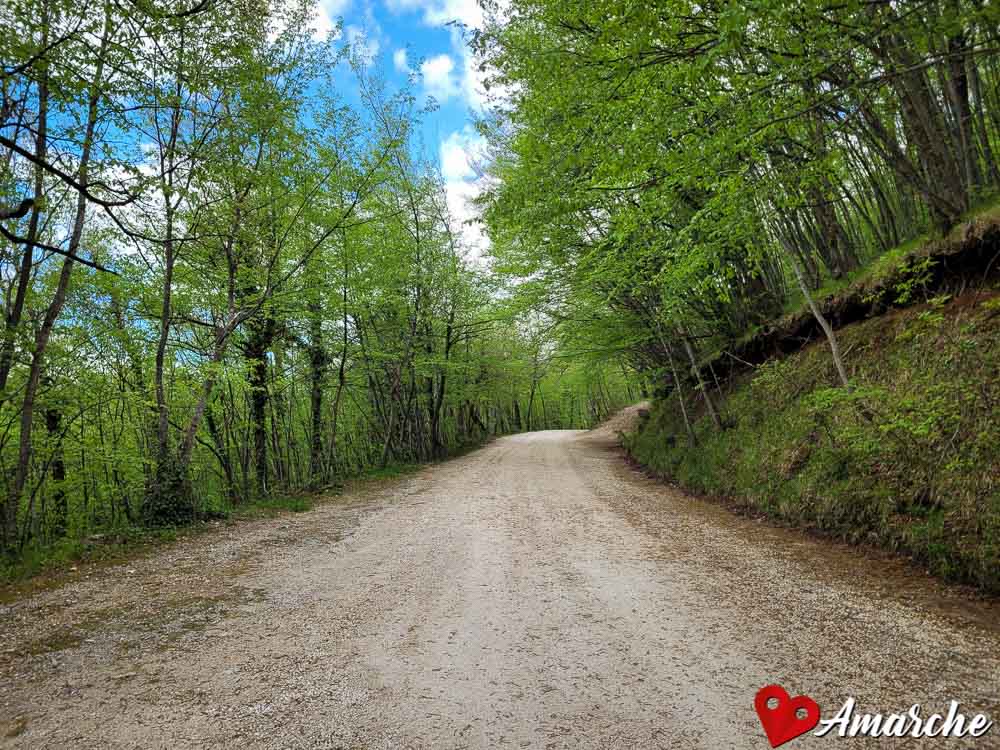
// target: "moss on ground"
[[909, 460]]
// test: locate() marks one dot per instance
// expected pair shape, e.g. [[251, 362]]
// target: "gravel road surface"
[[535, 593]]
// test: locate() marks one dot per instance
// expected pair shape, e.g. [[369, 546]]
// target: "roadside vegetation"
[[907, 460], [39, 565]]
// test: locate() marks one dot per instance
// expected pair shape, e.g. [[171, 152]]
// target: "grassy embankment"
[[909, 460]]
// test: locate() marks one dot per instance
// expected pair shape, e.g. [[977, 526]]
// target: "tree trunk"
[[958, 91], [44, 333], [222, 451], [259, 341], [13, 317], [60, 509], [696, 371], [318, 363], [679, 388], [831, 336]]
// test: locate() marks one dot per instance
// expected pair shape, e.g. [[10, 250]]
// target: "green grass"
[[796, 302], [988, 207], [65, 554], [392, 471], [887, 264], [908, 461]]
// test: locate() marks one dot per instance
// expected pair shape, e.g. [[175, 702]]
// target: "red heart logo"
[[782, 723]]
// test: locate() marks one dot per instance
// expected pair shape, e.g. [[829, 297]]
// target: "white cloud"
[[440, 12], [438, 75], [472, 79], [325, 15], [460, 153], [464, 79], [399, 61]]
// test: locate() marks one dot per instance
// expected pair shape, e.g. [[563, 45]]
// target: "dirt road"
[[535, 593]]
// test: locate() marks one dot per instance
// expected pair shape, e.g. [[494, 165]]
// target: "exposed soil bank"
[[969, 257], [535, 593]]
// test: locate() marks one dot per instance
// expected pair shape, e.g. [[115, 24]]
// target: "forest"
[[677, 183], [223, 283], [682, 171]]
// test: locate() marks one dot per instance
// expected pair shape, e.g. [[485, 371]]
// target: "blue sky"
[[418, 39]]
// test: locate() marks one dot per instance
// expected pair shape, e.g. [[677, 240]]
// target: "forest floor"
[[537, 592]]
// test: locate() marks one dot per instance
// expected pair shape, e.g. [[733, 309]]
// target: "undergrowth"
[[127, 540]]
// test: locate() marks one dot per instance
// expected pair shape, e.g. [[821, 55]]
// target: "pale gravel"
[[535, 593]]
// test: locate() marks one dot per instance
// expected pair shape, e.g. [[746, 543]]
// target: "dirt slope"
[[535, 593]]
